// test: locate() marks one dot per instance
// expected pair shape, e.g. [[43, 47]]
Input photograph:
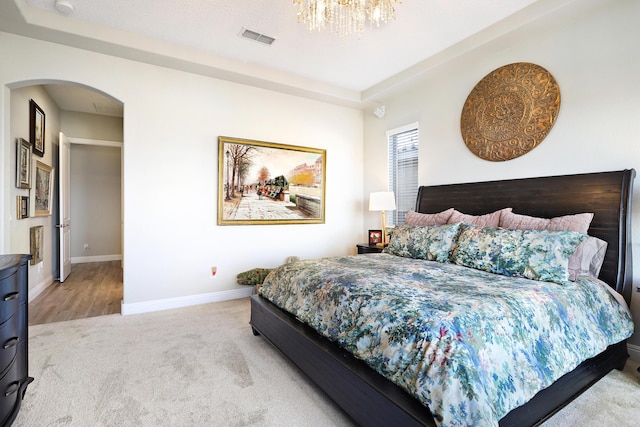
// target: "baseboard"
[[634, 352], [40, 287], [97, 258], [170, 303]]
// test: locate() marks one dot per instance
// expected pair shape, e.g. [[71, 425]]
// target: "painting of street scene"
[[269, 183]]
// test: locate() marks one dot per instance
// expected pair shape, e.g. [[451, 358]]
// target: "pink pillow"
[[415, 218], [588, 258], [488, 220], [578, 222]]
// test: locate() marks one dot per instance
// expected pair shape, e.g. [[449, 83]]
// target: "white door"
[[64, 227]]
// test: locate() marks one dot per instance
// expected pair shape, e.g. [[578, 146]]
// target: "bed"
[[371, 399]]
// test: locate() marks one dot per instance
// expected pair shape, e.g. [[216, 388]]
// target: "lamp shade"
[[382, 201]]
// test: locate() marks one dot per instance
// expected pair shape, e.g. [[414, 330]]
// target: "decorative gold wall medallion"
[[510, 111]]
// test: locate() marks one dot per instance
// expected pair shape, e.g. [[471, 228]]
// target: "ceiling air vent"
[[248, 34]]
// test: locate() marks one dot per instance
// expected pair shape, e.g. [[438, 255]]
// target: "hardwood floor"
[[92, 289]]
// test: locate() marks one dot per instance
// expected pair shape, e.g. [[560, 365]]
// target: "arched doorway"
[[93, 122]]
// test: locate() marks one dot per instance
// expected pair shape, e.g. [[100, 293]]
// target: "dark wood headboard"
[[606, 194]]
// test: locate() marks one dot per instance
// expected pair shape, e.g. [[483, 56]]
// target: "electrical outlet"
[[637, 288], [86, 246], [214, 270]]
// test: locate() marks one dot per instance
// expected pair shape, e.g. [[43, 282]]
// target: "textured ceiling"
[[203, 36]]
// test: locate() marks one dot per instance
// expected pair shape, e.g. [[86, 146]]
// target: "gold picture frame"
[[37, 234], [23, 163], [269, 183], [22, 207], [43, 198]]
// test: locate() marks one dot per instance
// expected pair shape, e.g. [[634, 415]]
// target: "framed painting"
[[44, 189], [37, 234], [22, 203], [269, 183], [23, 163], [36, 128], [375, 237]]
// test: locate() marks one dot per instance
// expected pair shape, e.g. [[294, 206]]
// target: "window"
[[403, 169]]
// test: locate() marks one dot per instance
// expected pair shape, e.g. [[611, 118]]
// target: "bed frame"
[[371, 400]]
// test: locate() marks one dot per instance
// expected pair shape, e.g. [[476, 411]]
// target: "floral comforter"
[[468, 344]]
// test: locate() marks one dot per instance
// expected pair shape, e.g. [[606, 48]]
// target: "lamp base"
[[384, 230]]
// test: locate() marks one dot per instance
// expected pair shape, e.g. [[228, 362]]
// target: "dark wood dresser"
[[14, 362]]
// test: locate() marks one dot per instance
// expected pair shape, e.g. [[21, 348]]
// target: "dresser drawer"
[[9, 391], [9, 283], [9, 297], [9, 340], [14, 343]]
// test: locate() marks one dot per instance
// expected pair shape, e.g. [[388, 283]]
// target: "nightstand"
[[368, 249]]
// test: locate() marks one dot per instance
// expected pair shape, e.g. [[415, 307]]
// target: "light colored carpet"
[[202, 366], [612, 401]]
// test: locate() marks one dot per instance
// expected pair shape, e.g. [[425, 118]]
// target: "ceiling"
[[203, 36]]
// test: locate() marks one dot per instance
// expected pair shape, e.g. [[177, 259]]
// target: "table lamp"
[[382, 201]]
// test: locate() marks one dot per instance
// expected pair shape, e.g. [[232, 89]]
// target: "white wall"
[[590, 48], [171, 124]]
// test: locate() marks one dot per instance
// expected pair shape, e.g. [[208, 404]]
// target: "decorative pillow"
[[416, 218], [430, 242], [588, 258], [589, 255], [252, 277], [488, 220], [578, 222], [534, 254]]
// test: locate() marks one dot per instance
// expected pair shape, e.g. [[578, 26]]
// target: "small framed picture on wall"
[[36, 244], [23, 164], [36, 128], [375, 237], [22, 207], [44, 189]]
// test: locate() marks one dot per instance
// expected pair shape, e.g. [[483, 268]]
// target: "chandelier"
[[344, 17]]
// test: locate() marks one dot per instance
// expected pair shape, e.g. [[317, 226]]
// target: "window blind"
[[403, 169]]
